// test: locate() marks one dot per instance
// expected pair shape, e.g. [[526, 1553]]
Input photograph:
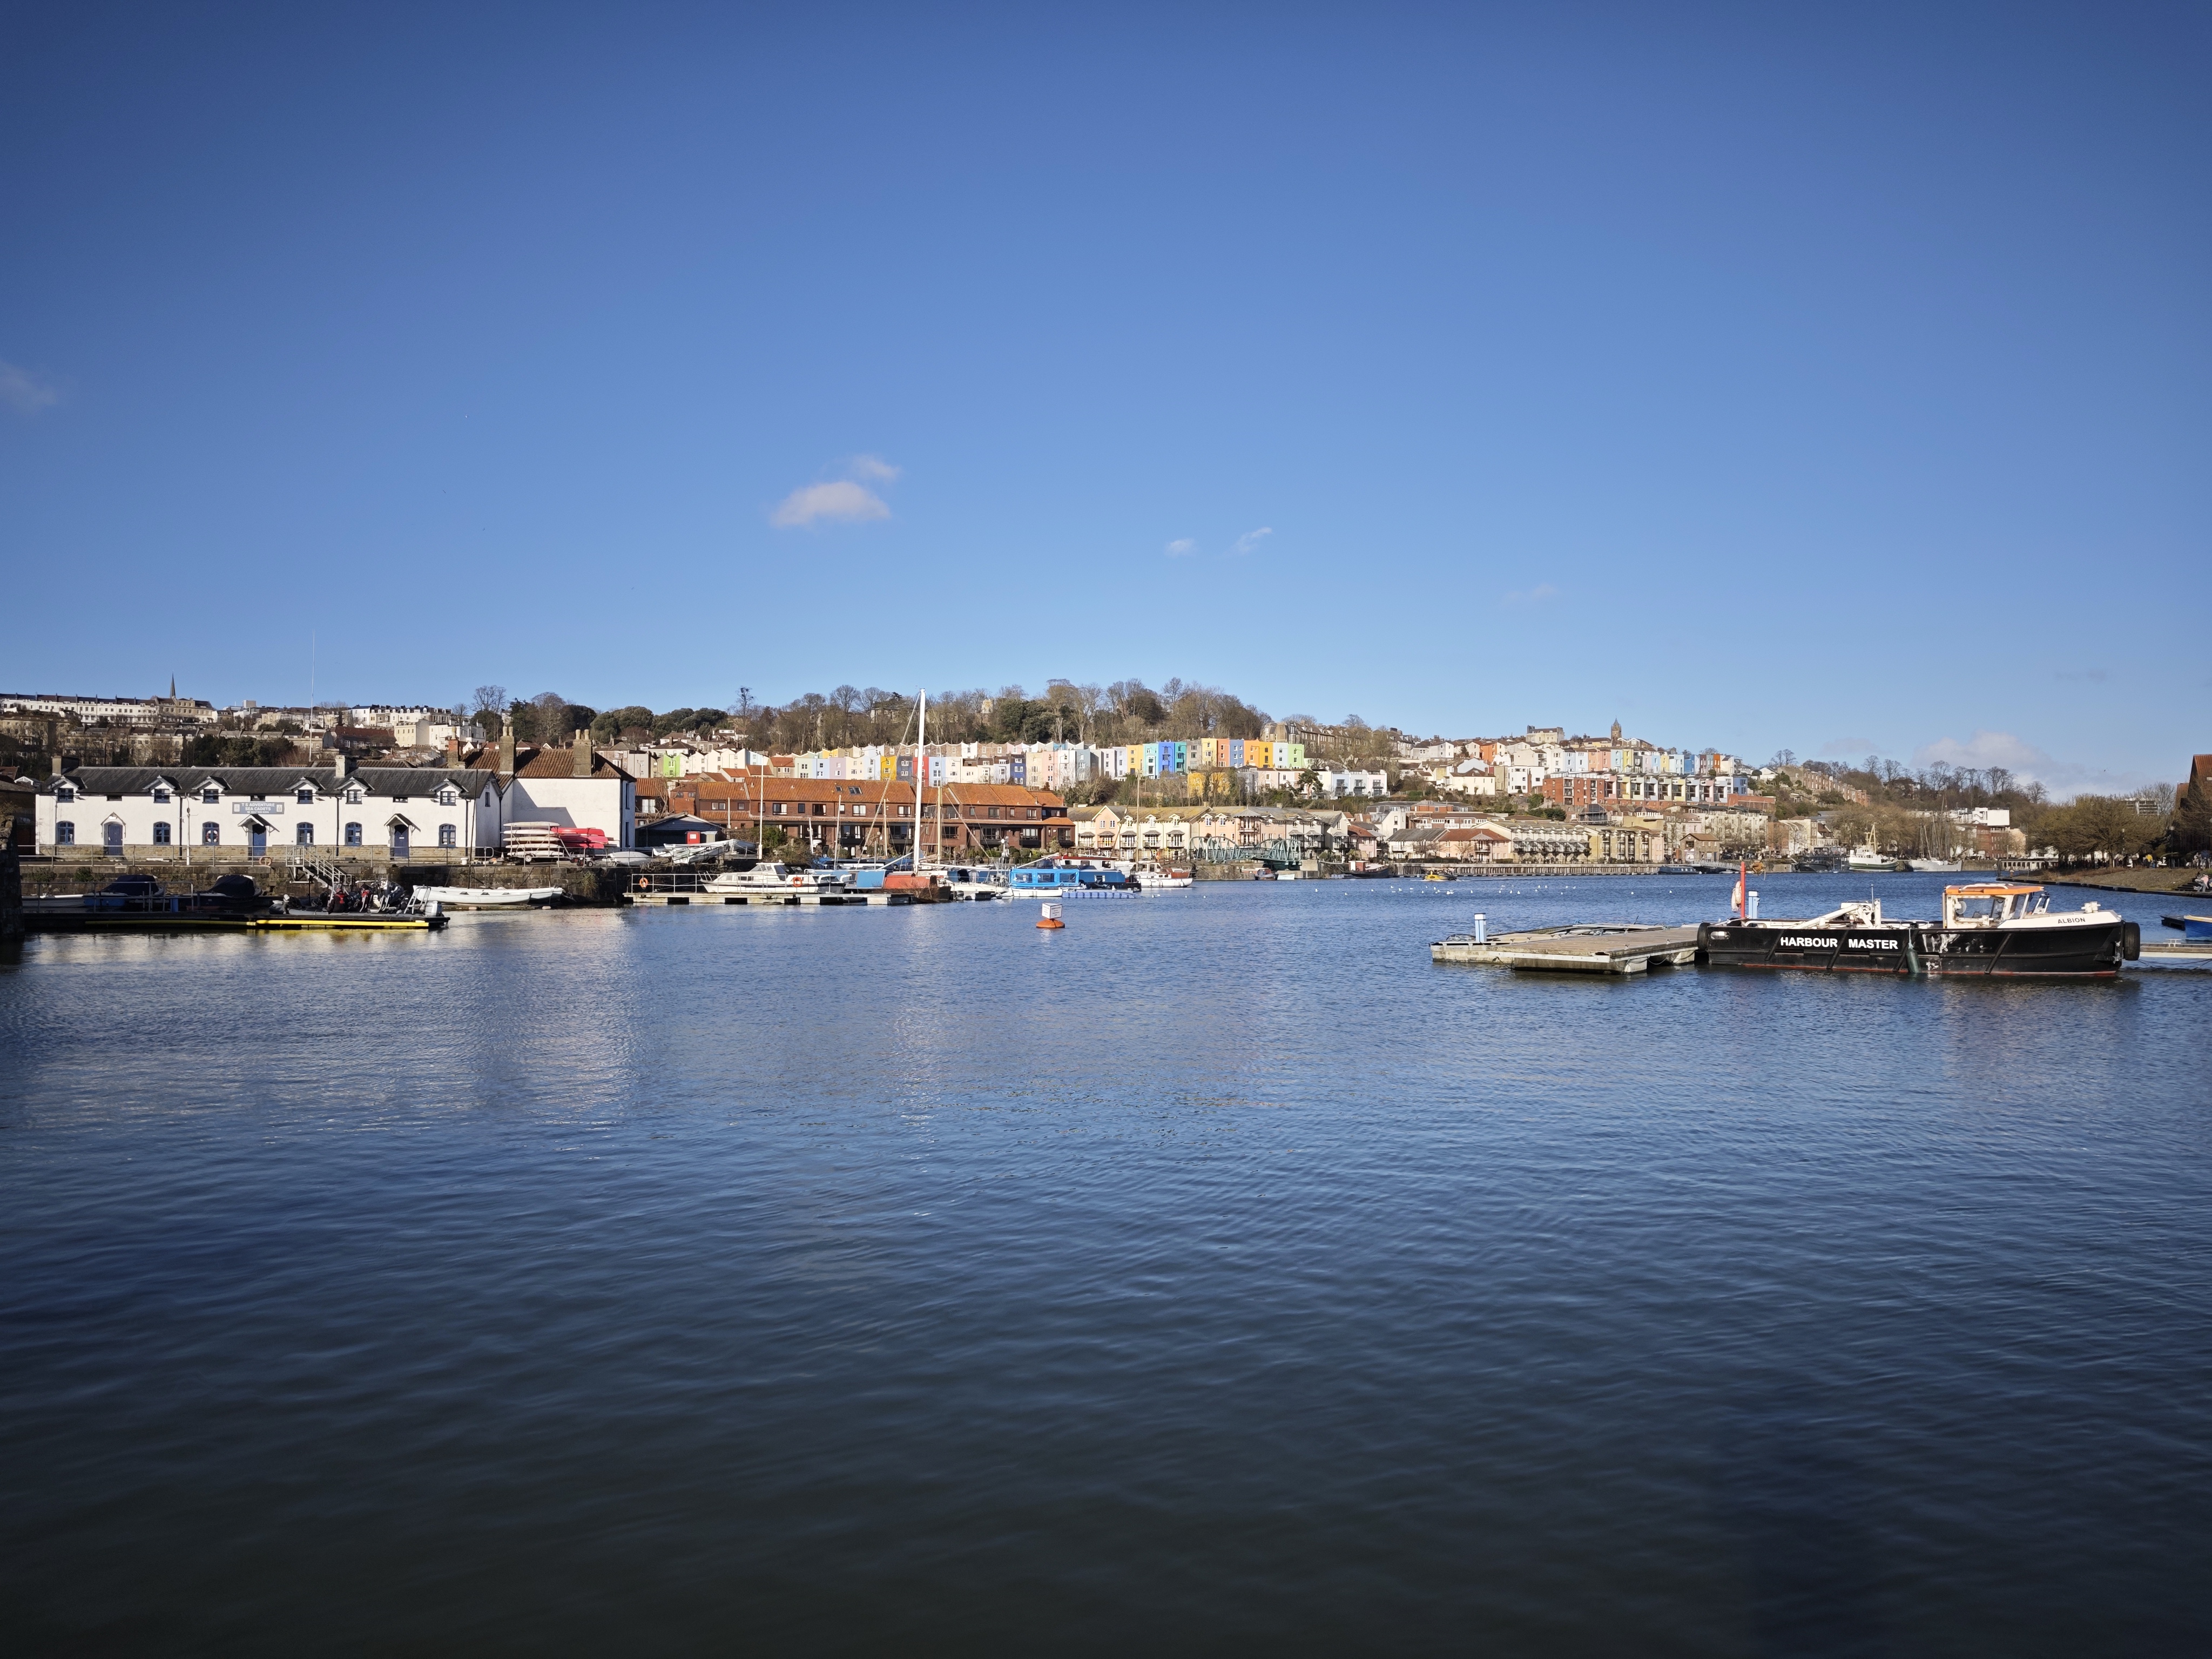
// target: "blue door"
[[399, 841], [257, 840], [110, 839]]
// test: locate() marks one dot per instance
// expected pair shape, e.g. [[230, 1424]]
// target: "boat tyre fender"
[[2130, 941]]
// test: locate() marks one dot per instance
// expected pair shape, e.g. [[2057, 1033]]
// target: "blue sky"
[[1762, 378]]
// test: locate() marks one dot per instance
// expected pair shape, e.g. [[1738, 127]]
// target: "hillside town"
[[1186, 774]]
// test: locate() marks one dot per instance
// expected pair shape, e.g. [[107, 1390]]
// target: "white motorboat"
[[1866, 861], [769, 877], [1157, 877], [1934, 866], [489, 898], [974, 881]]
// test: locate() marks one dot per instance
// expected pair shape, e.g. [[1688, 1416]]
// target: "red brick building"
[[853, 818], [1576, 790]]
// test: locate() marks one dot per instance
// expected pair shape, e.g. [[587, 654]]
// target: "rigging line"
[[885, 793]]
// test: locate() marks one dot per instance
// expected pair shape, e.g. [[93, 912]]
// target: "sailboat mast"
[[921, 774]]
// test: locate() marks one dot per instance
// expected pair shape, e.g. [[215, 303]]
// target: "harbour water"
[[1218, 1273]]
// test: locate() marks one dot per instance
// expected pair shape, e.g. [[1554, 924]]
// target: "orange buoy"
[[1048, 916]]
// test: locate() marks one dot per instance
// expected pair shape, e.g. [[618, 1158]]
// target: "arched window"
[[65, 834], [304, 835], [210, 835], [353, 835], [161, 835], [447, 837]]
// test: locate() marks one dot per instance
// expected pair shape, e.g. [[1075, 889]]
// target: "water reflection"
[[1225, 1273]]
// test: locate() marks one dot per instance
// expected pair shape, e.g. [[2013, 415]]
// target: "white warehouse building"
[[447, 813]]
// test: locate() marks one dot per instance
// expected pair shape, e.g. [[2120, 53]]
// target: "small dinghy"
[[487, 898]]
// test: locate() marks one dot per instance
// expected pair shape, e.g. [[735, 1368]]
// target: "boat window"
[[1977, 909]]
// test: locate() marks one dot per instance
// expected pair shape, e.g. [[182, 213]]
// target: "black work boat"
[[1989, 931]]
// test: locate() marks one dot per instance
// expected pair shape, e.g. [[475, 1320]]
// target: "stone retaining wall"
[[583, 884]]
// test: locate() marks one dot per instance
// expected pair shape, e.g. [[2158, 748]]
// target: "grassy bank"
[[2124, 881]]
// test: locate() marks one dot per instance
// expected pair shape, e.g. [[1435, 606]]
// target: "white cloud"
[[23, 391], [1251, 539], [843, 502], [2023, 759], [847, 501], [1535, 595], [1181, 548]]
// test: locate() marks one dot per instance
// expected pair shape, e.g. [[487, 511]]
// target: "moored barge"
[[1989, 931]]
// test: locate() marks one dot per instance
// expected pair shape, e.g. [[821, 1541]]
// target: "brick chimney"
[[583, 754], [507, 747]]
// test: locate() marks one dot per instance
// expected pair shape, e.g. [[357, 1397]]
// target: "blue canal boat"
[[1058, 877]]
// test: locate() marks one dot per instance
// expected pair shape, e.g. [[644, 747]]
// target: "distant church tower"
[[1616, 726]]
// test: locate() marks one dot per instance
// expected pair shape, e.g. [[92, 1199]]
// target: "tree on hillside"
[[2188, 831]]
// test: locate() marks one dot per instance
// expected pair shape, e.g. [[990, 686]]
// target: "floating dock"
[[174, 921], [2181, 953], [1621, 948]]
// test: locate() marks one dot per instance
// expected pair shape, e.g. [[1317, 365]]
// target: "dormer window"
[[353, 798], [448, 798], [64, 792], [210, 794], [162, 796], [305, 797]]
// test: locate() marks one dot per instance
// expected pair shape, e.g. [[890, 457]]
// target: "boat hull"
[[1924, 950]]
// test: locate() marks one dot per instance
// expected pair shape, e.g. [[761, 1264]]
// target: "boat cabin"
[[1992, 902], [1059, 872]]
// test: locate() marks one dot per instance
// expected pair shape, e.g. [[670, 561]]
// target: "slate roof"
[[561, 763], [271, 780]]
